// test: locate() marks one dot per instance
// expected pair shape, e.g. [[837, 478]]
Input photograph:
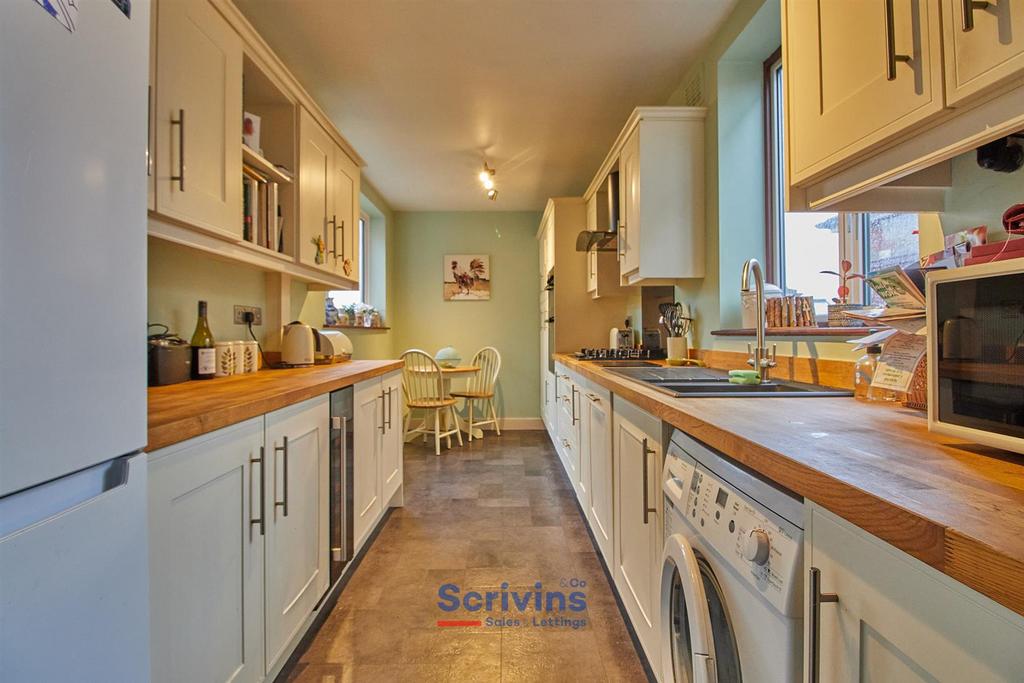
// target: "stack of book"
[[262, 222], [790, 311]]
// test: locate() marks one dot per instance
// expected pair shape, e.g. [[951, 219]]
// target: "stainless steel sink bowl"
[[706, 383], [623, 363]]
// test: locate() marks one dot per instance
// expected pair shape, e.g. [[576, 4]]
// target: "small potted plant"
[[346, 315], [840, 307]]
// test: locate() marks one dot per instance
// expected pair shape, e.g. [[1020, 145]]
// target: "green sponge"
[[744, 377]]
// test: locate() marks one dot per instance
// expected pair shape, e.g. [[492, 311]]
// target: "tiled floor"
[[499, 510]]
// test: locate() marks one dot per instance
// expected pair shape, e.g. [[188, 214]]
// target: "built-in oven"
[[341, 479], [976, 353]]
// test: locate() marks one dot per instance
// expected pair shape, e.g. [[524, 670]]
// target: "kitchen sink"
[[707, 383], [624, 363]]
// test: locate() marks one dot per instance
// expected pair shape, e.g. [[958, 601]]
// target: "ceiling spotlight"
[[487, 180], [492, 194], [488, 184]]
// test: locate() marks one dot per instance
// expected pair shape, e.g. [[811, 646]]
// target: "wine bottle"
[[204, 356]]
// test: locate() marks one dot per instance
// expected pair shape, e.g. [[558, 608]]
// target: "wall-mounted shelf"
[[252, 158]]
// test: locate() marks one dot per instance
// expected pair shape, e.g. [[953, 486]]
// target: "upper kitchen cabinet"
[[983, 45], [602, 264], [857, 73], [328, 202], [879, 95], [198, 118], [660, 159]]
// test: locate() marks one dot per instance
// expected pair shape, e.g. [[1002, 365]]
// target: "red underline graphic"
[[459, 623]]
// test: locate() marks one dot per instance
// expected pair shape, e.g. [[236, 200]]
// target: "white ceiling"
[[426, 90]]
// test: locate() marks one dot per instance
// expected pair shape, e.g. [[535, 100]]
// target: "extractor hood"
[[602, 240]]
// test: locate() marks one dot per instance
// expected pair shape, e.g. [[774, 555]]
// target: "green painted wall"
[[979, 197], [179, 277], [508, 321]]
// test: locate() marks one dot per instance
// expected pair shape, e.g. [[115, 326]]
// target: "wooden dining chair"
[[423, 386], [481, 388]]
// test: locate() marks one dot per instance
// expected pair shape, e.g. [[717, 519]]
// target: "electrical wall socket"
[[256, 311]]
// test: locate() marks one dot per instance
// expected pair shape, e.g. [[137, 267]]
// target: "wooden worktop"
[[956, 506], [182, 411]]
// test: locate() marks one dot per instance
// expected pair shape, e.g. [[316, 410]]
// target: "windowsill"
[[839, 332], [382, 328]]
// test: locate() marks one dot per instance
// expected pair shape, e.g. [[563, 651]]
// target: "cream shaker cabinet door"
[[206, 557], [344, 219], [857, 73], [370, 411], [896, 619], [316, 200], [638, 532], [599, 448], [984, 46], [198, 118], [296, 500], [391, 439], [629, 198]]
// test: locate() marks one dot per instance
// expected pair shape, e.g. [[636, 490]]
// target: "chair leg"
[[494, 416], [437, 432], [458, 433], [470, 403]]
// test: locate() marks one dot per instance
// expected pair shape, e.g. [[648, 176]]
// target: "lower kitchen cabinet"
[[596, 445], [206, 557], [897, 619], [638, 533], [377, 464], [567, 423], [297, 526]]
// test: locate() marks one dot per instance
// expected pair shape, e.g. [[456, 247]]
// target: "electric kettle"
[[299, 344]]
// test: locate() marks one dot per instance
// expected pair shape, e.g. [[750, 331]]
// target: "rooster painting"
[[467, 278]]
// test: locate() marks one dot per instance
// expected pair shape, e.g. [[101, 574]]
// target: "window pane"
[[891, 240], [810, 244]]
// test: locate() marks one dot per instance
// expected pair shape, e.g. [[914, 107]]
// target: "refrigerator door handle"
[[53, 498]]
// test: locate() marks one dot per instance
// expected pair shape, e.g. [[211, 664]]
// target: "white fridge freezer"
[[73, 546]]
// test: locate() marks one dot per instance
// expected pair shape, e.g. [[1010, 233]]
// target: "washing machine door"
[[698, 645]]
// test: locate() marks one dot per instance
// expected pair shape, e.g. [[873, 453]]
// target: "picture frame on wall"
[[467, 277]]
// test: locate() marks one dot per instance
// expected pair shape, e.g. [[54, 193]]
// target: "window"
[[347, 297], [801, 245]]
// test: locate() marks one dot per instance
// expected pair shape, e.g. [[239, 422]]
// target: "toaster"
[[334, 346]]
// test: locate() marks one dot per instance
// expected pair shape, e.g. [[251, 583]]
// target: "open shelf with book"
[[268, 162]]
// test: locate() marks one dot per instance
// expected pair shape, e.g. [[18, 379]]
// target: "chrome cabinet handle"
[[890, 43], [390, 408], [180, 122], [647, 488], [572, 410], [342, 241], [814, 624], [620, 244], [263, 491], [283, 503], [149, 131], [383, 409], [968, 7], [594, 397]]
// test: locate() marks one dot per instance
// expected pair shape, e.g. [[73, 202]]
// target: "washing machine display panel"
[[750, 540]]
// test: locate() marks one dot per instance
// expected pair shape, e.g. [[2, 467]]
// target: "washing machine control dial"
[[756, 547]]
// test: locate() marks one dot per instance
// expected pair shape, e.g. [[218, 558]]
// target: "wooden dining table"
[[447, 375]]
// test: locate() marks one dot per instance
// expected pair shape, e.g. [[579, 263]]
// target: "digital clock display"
[[721, 498]]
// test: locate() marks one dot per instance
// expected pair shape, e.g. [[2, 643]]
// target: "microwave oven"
[[976, 353]]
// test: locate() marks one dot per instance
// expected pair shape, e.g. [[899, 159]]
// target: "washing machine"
[[732, 570]]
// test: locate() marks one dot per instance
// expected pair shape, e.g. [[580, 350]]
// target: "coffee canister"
[[238, 356], [225, 358], [252, 356]]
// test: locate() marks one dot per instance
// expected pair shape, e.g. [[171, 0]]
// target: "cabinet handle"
[[390, 408], [594, 397], [149, 131], [814, 623], [647, 487], [572, 410], [263, 490], [968, 7], [383, 409], [180, 123], [890, 43], [620, 242], [334, 223], [283, 503]]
